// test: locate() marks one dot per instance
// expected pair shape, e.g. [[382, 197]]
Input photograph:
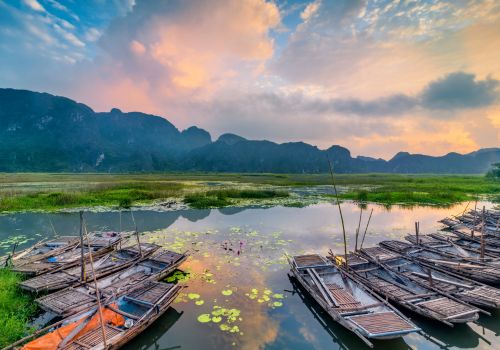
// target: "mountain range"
[[43, 132]]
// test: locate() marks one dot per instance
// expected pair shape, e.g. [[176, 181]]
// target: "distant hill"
[[42, 132]]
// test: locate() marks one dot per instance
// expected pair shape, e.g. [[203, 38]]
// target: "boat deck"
[[308, 261], [484, 292], [378, 253], [35, 267], [167, 257], [48, 281], [149, 294], [382, 323], [93, 338], [342, 297], [65, 300], [446, 307]]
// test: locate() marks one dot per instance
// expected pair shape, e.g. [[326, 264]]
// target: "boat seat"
[[93, 338], [342, 297]]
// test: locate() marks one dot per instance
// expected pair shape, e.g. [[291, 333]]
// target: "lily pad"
[[227, 292], [204, 318]]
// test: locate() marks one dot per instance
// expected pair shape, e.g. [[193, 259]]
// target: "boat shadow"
[[150, 338], [343, 338]]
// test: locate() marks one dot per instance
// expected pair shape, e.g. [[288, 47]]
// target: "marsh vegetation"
[[50, 192]]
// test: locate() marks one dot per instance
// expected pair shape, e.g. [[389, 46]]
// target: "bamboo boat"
[[447, 283], [465, 243], [452, 250], [350, 304], [100, 244], [406, 293], [474, 219], [123, 318], [105, 265], [491, 240], [41, 250], [482, 272], [75, 299]]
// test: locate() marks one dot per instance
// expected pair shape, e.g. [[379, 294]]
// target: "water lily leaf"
[[216, 319], [193, 296], [277, 304], [204, 318], [278, 296], [227, 292], [199, 302]]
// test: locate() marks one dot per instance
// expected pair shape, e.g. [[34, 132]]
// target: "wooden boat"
[[105, 265], [449, 284], [75, 299], [482, 272], [41, 250], [406, 293], [347, 302], [123, 318], [465, 243], [100, 244], [473, 220], [452, 250], [491, 240]]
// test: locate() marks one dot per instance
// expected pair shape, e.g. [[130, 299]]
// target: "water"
[[238, 277]]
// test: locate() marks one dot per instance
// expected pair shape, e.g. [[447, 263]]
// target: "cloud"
[[34, 5], [460, 90]]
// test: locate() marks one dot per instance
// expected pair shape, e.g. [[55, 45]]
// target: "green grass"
[[105, 194], [222, 198], [16, 308], [42, 191]]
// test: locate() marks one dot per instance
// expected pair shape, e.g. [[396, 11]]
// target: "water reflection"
[[341, 337], [156, 332], [257, 238]]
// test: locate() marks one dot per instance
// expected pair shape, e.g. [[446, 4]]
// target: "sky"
[[375, 76]]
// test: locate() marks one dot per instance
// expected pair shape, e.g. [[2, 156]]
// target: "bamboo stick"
[[357, 231], [136, 233], [97, 293], [366, 229], [340, 211], [82, 259]]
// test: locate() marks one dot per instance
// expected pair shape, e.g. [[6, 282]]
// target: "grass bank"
[[123, 194], [425, 190], [223, 198], [42, 191], [16, 308]]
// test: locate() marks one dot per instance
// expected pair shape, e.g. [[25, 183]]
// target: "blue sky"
[[376, 76]]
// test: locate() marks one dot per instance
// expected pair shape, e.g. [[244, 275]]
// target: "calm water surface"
[[238, 278]]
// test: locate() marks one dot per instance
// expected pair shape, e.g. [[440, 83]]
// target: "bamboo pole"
[[97, 293], [474, 221], [82, 258], [136, 234], [340, 211], [366, 229], [416, 231], [357, 231], [482, 237]]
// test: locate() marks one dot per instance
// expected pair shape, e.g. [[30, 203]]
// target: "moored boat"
[[478, 271], [103, 266], [406, 293], [449, 284], [75, 299], [347, 301], [100, 244], [116, 323]]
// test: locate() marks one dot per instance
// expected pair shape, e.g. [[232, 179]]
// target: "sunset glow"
[[377, 77]]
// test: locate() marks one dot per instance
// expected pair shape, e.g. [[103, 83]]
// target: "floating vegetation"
[[227, 292], [266, 296], [178, 276], [13, 240]]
